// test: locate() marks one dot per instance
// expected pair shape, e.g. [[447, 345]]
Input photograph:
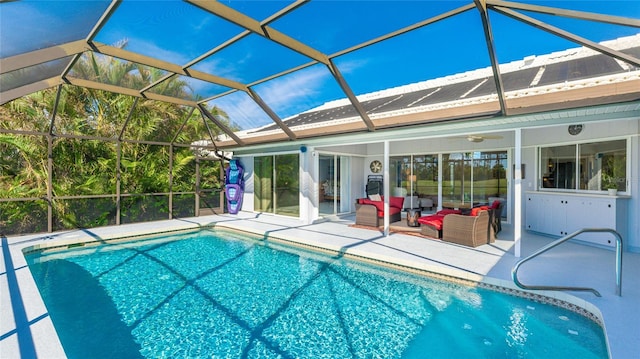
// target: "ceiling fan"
[[480, 138]]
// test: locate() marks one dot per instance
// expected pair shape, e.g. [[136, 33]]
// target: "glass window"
[[400, 172], [263, 184], [426, 171], [277, 184], [603, 165], [558, 167], [456, 180], [473, 178], [595, 166], [489, 176]]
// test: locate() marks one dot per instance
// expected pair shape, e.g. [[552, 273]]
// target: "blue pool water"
[[212, 294]]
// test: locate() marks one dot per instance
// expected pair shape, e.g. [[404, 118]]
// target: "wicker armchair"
[[470, 231], [371, 213]]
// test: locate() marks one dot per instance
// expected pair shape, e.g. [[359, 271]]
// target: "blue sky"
[[179, 32]]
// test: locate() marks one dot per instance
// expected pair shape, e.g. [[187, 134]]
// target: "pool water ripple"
[[224, 295]]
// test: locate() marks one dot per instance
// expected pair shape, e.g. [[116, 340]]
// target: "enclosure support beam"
[[49, 183], [171, 181], [197, 187], [118, 176]]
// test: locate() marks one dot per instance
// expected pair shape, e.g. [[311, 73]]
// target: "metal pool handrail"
[[514, 271]]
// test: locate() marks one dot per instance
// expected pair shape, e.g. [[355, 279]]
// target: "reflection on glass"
[[31, 74], [415, 176], [473, 178], [426, 172], [456, 180], [489, 176], [263, 184], [332, 195], [287, 185], [46, 23], [301, 91], [399, 171], [558, 167], [277, 185], [603, 165], [243, 113]]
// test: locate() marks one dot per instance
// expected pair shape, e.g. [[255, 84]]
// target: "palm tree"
[[89, 167]]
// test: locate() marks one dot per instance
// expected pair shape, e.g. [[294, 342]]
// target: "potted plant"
[[609, 183]]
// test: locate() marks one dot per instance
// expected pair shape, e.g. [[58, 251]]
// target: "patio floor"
[[26, 330]]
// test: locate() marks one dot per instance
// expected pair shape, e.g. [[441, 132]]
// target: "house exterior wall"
[[594, 131], [533, 136]]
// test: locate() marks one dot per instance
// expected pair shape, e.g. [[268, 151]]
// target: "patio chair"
[[470, 231]]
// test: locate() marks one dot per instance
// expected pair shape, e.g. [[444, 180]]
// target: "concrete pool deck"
[[26, 330]]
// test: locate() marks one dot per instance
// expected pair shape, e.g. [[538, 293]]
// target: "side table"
[[412, 217]]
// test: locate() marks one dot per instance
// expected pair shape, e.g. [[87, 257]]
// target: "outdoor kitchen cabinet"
[[560, 214]]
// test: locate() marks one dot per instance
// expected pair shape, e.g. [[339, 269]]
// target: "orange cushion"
[[434, 221], [444, 212], [476, 210]]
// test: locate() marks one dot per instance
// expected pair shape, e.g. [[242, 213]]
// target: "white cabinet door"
[[557, 215], [533, 209], [596, 213], [560, 215]]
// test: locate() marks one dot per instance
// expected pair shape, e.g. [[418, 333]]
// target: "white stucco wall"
[[544, 134]]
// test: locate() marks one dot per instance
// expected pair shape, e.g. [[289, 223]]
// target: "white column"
[[517, 200], [385, 185], [440, 180], [306, 186]]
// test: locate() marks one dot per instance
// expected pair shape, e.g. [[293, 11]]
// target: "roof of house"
[[576, 67]]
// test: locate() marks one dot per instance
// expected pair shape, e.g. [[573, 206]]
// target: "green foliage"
[[88, 165]]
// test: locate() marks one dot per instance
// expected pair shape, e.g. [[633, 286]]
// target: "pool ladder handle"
[[514, 271]]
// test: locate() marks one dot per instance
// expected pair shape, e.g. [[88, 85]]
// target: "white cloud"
[[296, 92]]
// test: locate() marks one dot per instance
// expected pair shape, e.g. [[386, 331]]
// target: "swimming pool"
[[221, 294]]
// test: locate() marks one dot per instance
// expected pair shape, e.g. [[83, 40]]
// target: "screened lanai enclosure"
[[126, 111]]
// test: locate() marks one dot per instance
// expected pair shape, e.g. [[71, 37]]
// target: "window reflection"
[[276, 184], [468, 178], [595, 166], [558, 167], [603, 165]]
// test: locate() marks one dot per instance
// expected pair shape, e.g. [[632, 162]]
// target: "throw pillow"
[[375, 197]]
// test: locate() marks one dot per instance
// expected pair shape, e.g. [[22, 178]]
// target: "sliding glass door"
[[456, 180], [333, 190], [473, 178], [489, 176], [277, 184]]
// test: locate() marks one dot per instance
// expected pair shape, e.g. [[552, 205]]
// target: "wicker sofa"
[[470, 231], [452, 226], [371, 213]]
